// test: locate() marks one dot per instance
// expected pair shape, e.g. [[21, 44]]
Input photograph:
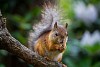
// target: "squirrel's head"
[[58, 36]]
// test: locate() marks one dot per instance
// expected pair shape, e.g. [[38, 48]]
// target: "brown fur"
[[49, 39], [47, 48]]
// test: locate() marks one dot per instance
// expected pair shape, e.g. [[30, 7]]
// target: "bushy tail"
[[50, 15]]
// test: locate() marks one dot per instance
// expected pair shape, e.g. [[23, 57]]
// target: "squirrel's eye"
[[56, 34]]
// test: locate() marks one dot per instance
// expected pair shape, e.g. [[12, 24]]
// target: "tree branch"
[[7, 42]]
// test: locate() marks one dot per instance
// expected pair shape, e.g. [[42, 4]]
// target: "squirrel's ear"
[[55, 26], [66, 25]]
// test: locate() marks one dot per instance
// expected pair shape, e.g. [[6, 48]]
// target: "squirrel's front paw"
[[47, 59]]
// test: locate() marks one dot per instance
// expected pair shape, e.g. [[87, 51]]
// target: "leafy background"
[[83, 17]]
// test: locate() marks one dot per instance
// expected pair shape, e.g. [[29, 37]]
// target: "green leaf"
[[16, 18], [93, 49], [3, 53], [2, 65], [69, 62], [19, 36], [25, 26], [97, 64], [85, 62]]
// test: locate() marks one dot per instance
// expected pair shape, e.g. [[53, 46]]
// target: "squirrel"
[[49, 37]]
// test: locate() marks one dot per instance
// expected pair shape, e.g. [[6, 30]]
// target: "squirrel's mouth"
[[59, 48]]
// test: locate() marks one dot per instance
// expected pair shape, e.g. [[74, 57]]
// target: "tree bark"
[[9, 43]]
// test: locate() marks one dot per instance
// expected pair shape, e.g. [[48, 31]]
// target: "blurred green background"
[[82, 16]]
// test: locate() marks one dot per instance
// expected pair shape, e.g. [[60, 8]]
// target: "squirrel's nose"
[[61, 41]]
